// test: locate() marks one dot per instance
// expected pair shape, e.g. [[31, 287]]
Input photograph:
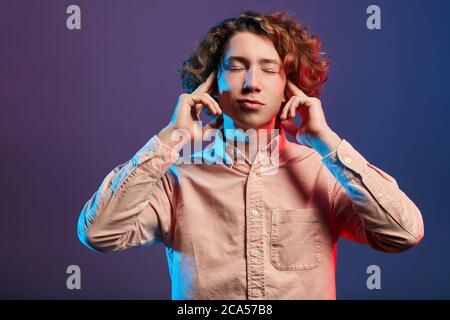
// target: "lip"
[[250, 104]]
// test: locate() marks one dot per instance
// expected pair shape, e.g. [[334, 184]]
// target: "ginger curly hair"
[[304, 63]]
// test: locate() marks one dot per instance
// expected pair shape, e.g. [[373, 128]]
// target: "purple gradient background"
[[75, 104]]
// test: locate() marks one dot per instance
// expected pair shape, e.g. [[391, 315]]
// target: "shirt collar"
[[224, 151]]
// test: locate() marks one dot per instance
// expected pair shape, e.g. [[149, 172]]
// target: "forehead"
[[251, 46]]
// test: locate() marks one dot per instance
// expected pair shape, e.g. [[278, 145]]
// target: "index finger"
[[296, 91], [204, 87]]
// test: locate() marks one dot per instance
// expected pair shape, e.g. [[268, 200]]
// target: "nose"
[[251, 82]]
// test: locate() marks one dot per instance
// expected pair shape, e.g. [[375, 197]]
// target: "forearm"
[[173, 138], [122, 196], [325, 142], [390, 220]]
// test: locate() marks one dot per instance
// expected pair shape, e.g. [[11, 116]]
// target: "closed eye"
[[271, 71]]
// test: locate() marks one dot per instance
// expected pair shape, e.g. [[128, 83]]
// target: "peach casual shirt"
[[243, 230]]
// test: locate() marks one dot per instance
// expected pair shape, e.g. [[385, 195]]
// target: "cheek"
[[279, 88], [230, 82], [221, 85]]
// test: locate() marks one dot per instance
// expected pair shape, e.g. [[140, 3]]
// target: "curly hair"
[[304, 64]]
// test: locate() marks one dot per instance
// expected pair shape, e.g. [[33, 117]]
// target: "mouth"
[[250, 105]]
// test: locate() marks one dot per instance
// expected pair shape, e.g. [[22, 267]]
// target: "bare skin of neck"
[[257, 137]]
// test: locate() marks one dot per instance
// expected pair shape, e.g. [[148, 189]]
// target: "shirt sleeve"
[[134, 203], [368, 205]]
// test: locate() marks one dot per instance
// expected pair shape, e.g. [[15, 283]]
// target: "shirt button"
[[347, 160], [256, 292], [255, 212], [254, 252]]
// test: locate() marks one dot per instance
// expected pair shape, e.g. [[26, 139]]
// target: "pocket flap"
[[295, 215]]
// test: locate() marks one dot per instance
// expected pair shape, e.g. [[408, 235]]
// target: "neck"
[[250, 140]]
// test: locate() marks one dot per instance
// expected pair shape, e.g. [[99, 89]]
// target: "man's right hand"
[[187, 113]]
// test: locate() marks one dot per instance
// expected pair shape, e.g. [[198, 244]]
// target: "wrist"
[[170, 137], [326, 142]]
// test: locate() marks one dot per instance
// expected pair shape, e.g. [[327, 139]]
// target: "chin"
[[251, 122]]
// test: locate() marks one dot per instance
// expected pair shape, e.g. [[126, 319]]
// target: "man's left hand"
[[314, 130]]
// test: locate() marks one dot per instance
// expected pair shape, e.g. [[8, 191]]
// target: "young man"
[[266, 226]]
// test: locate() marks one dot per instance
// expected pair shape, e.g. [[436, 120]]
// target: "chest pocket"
[[296, 239]]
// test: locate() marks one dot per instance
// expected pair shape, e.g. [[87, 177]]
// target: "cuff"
[[344, 161]]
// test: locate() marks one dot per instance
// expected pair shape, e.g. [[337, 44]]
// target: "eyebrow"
[[260, 61]]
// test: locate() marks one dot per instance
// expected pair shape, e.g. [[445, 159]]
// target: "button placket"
[[254, 232]]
